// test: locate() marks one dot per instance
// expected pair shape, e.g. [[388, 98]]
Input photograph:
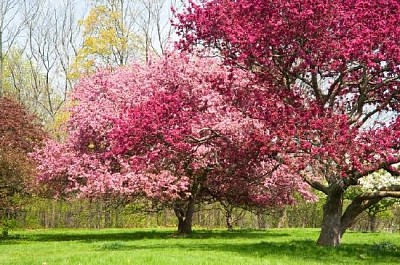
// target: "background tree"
[[51, 48], [153, 22], [18, 76], [338, 62], [110, 38], [8, 31], [375, 182], [11, 28], [118, 31], [20, 134]]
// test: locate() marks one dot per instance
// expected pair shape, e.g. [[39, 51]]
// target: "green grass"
[[123, 246]]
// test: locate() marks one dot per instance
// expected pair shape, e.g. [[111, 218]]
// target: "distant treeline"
[[83, 213]]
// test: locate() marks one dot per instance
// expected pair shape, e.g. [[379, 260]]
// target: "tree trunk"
[[261, 221], [356, 207], [228, 219], [331, 223], [283, 218], [184, 226], [335, 222], [372, 222], [184, 213]]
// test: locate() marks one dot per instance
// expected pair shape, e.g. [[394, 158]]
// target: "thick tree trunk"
[[331, 224], [184, 226], [356, 207], [184, 213], [335, 222]]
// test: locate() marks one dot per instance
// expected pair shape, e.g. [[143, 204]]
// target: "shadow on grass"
[[11, 239], [306, 250], [91, 236]]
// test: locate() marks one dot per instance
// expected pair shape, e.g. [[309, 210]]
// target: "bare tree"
[[11, 27], [50, 49], [67, 41], [154, 22]]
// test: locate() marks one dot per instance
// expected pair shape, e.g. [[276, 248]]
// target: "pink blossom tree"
[[335, 66], [77, 165], [167, 131], [190, 144]]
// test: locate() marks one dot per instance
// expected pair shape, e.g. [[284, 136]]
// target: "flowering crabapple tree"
[[164, 131], [335, 65], [188, 144]]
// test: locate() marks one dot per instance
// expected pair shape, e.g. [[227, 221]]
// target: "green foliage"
[[6, 225], [160, 246], [82, 213]]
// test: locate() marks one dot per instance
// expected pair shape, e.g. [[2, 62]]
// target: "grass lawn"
[[159, 246]]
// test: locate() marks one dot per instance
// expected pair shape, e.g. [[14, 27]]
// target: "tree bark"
[[335, 223], [184, 213], [331, 223]]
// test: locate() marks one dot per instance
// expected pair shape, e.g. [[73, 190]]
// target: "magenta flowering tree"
[[177, 131], [189, 143], [335, 67]]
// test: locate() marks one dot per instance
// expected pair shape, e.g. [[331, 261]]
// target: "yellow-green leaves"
[[107, 41]]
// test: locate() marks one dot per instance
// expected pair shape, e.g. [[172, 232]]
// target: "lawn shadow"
[[88, 236], [306, 250], [11, 239]]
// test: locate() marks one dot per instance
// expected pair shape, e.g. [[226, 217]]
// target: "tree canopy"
[[336, 60]]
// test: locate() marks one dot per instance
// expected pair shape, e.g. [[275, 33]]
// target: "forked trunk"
[[184, 226], [331, 233], [184, 213]]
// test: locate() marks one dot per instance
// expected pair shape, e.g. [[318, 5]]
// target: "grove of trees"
[[260, 105]]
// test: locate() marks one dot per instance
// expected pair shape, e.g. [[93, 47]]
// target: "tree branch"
[[316, 185]]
